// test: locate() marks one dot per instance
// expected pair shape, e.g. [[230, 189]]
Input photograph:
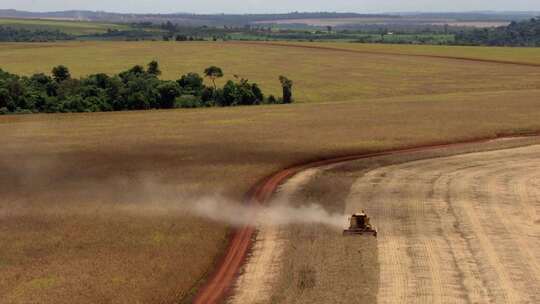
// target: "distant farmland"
[[384, 21], [320, 75], [72, 27]]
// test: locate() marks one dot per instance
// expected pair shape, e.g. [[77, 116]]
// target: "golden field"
[[320, 75], [524, 55], [91, 204], [322, 266]]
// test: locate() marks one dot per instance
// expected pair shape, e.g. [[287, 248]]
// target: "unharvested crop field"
[[320, 75], [519, 55], [92, 204]]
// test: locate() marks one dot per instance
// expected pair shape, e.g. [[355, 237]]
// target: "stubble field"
[[440, 214], [91, 204]]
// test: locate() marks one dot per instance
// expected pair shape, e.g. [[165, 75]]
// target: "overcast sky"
[[272, 6]]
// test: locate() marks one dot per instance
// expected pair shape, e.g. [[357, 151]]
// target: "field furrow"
[[459, 229]]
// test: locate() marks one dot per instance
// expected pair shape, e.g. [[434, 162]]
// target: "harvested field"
[[319, 265], [458, 229], [419, 258]]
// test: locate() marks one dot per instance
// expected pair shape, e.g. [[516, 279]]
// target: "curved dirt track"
[[344, 50], [259, 276], [221, 281], [459, 229]]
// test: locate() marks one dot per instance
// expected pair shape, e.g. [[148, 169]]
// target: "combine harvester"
[[359, 225]]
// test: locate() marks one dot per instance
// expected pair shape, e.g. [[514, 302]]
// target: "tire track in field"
[[484, 243], [463, 273], [414, 253], [510, 211], [461, 229]]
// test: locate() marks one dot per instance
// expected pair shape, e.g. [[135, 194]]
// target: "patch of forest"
[[10, 34], [138, 88], [524, 33]]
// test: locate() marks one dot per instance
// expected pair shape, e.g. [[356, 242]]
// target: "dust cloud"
[[43, 185], [219, 209], [278, 213], [211, 208]]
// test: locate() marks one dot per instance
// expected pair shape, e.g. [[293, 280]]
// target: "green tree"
[[213, 73], [257, 92], [17, 90], [168, 92], [286, 85], [192, 83], [188, 101], [181, 38], [41, 79], [5, 98], [153, 68], [136, 89], [208, 95], [113, 93], [228, 95], [137, 70], [61, 73], [137, 101], [239, 93]]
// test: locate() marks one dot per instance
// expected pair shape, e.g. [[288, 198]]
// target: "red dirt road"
[[219, 284]]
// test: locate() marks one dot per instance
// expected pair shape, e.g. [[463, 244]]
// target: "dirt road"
[[220, 284], [258, 278], [459, 229]]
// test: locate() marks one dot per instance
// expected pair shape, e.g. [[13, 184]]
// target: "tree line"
[[138, 88], [10, 34], [524, 33]]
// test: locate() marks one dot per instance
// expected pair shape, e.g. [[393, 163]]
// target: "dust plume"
[[156, 198], [278, 213]]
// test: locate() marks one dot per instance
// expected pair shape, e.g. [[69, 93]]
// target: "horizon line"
[[286, 13]]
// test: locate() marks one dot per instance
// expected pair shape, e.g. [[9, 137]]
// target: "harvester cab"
[[359, 224]]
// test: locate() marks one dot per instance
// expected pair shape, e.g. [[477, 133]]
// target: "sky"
[[273, 6]]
